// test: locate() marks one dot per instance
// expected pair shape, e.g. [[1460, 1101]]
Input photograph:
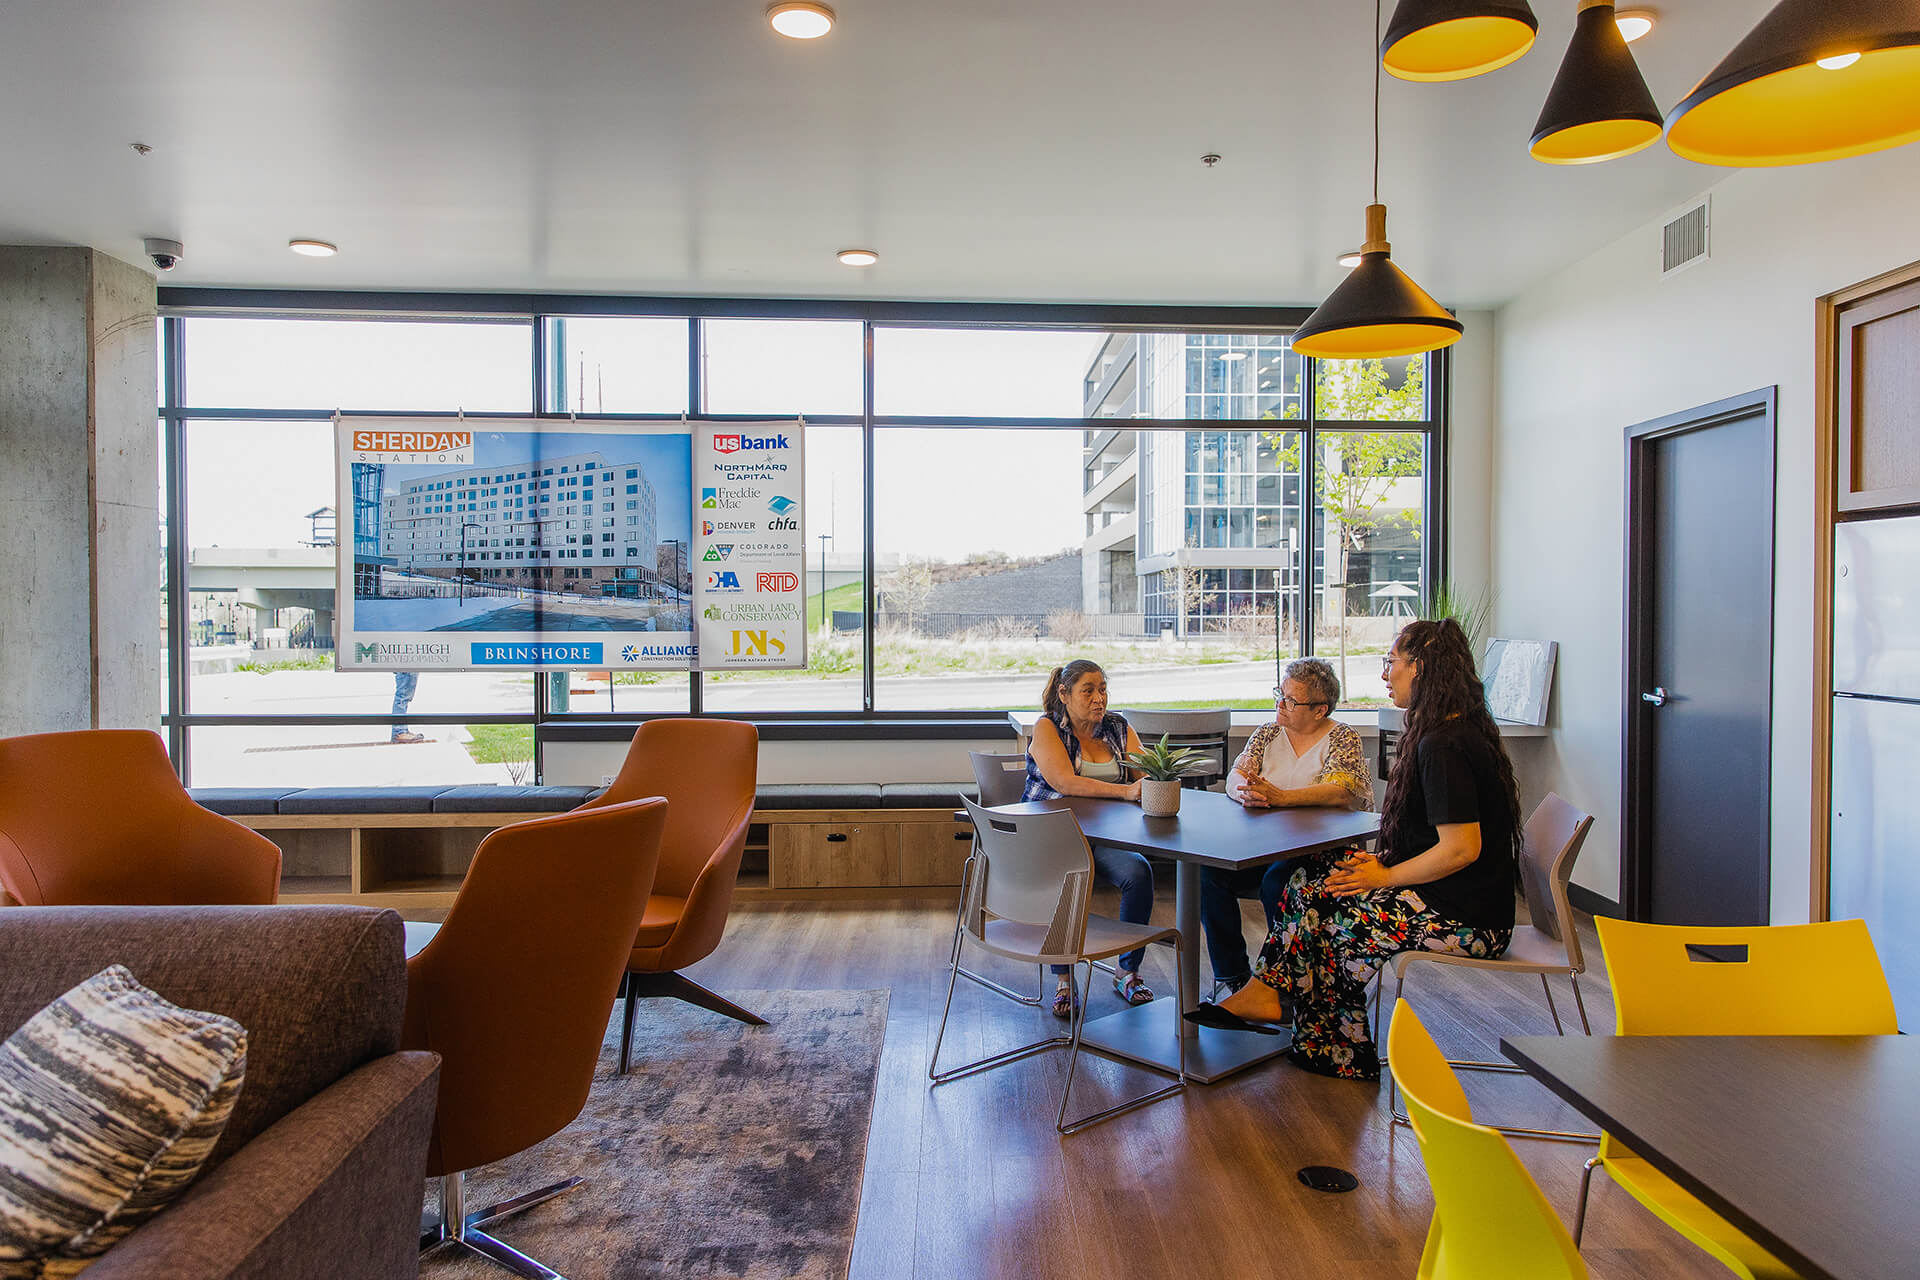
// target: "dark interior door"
[[1701, 669]]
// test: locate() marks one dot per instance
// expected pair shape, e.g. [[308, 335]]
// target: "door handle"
[[1658, 697]]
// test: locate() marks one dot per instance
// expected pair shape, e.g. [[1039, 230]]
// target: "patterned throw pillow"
[[111, 1098]]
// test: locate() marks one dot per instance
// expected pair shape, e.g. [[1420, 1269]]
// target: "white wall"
[[1605, 344], [1474, 412]]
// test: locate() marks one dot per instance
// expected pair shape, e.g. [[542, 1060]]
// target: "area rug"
[[728, 1150]]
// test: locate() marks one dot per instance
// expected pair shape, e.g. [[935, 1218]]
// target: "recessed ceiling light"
[[857, 257], [799, 19], [313, 248], [1350, 259], [1838, 62], [1633, 23], [1233, 355]]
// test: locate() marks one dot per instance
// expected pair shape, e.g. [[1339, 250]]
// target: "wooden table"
[[1209, 831], [1806, 1143]]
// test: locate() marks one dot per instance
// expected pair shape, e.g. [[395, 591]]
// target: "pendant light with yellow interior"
[[1599, 107], [1455, 39], [1377, 310], [1814, 80]]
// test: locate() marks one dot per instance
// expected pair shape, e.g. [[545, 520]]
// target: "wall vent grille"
[[1683, 241]]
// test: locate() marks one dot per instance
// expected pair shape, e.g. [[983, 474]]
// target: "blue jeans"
[[1220, 894], [404, 683], [1128, 872]]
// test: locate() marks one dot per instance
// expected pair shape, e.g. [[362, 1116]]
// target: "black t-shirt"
[[1458, 780]]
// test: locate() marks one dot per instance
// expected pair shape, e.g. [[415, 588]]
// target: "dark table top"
[[1806, 1143], [1212, 830]]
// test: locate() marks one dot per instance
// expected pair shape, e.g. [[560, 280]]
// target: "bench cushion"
[[504, 799], [926, 795], [361, 800], [818, 795], [240, 800]]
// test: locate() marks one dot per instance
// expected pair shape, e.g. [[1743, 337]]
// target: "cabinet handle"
[[837, 837]]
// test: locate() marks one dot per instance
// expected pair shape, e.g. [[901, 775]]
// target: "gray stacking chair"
[[1002, 779], [1197, 730], [1027, 900], [1548, 945]]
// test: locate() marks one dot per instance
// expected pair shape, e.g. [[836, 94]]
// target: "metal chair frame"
[[1554, 908], [1071, 1041]]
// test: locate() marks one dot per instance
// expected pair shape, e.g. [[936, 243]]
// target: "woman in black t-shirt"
[[1444, 880]]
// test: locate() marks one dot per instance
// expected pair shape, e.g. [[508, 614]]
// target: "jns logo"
[[723, 580], [776, 582], [758, 644]]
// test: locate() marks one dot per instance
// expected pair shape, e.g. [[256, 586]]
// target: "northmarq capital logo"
[[737, 444]]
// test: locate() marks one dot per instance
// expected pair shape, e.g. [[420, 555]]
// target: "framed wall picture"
[[1518, 675]]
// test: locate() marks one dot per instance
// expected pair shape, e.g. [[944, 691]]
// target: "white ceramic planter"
[[1159, 799]]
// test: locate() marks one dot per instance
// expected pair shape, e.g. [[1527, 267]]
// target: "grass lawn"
[[846, 597], [500, 743]]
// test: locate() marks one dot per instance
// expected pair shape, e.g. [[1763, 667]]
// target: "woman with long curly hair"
[[1443, 881]]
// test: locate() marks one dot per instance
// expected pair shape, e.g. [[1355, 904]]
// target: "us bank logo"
[[739, 444]]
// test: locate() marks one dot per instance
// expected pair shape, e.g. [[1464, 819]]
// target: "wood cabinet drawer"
[[813, 855], [933, 852]]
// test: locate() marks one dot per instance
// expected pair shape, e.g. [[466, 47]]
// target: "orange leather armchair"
[[706, 770], [97, 817], [514, 993]]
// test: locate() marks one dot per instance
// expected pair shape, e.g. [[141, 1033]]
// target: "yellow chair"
[[1796, 980], [1489, 1218]]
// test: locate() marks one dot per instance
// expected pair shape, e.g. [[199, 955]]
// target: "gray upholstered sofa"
[[319, 1171]]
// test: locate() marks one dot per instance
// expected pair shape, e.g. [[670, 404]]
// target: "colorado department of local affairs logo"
[[718, 551], [630, 654]]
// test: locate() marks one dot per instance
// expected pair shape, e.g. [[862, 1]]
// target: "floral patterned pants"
[[1325, 949]]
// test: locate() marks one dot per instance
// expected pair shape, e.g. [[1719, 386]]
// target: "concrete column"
[[80, 624]]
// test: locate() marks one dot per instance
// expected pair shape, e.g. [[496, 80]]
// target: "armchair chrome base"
[[457, 1227], [1071, 1043], [1503, 1068], [650, 986]]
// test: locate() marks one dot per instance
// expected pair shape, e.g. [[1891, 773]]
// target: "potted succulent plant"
[[1161, 767]]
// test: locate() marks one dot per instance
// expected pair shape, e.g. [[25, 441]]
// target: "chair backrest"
[[1489, 1217], [515, 990], [1549, 844], [1796, 980], [1034, 868], [1198, 730], [1002, 779], [98, 817], [706, 771]]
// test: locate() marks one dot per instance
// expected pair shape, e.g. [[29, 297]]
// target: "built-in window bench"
[[409, 847]]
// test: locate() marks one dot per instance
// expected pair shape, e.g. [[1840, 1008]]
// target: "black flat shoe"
[[1207, 1014]]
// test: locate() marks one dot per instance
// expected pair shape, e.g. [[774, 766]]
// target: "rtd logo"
[[734, 444], [776, 582]]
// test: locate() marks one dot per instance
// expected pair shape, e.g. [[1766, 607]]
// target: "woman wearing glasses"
[[1443, 881], [1304, 757]]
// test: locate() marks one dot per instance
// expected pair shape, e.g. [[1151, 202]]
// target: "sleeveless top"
[[1112, 731]]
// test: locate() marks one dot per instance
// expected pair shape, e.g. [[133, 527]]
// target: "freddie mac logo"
[[738, 444], [724, 580]]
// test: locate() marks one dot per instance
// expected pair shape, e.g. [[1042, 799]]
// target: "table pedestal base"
[[1145, 1034]]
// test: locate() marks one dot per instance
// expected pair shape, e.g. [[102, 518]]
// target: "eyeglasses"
[[1386, 665], [1290, 703]]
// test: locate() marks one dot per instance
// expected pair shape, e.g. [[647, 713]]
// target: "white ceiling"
[[988, 149]]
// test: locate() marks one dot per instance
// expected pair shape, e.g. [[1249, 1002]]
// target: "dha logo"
[[723, 580], [735, 444], [709, 499], [780, 505], [758, 644], [776, 582]]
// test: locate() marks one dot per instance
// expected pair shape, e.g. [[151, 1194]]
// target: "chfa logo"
[[726, 444], [782, 524], [758, 644], [630, 654], [710, 498], [724, 580], [780, 505], [366, 653], [776, 582]]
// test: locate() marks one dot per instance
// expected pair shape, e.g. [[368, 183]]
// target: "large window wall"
[[976, 510]]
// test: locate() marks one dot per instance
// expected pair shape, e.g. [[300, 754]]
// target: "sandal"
[[1064, 1001], [1129, 988]]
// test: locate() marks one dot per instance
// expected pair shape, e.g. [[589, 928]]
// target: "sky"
[[938, 493]]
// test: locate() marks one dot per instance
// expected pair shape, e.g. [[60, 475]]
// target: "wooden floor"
[[970, 1180]]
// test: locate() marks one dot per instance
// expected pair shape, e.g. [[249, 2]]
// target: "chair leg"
[[1586, 1028], [959, 924], [626, 1022], [1580, 1207], [655, 986], [953, 976], [464, 1230], [1066, 1126], [1557, 1028]]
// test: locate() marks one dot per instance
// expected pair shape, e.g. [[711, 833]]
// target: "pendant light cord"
[[1375, 53]]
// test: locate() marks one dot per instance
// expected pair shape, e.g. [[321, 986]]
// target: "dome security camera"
[[165, 255]]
